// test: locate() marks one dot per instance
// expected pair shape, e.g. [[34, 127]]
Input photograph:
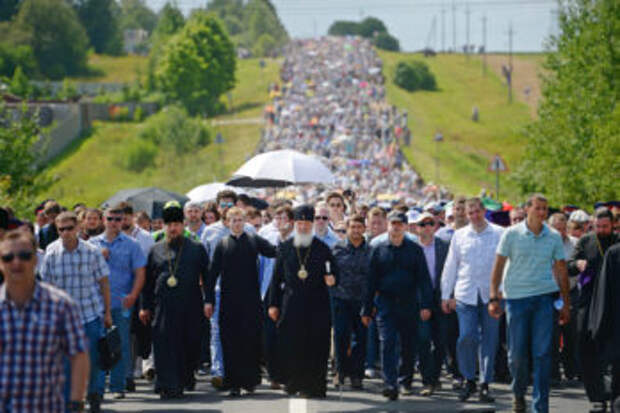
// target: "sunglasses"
[[117, 219], [335, 205], [426, 224], [23, 255], [341, 231], [226, 204], [321, 217], [69, 228]]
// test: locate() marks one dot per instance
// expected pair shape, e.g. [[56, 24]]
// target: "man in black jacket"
[[399, 286], [433, 330], [586, 264]]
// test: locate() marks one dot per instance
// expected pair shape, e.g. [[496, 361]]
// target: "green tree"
[[137, 15], [572, 149], [12, 57], [100, 18], [265, 45], [53, 31], [8, 9], [344, 28], [20, 85], [170, 21], [414, 75], [386, 41], [198, 64], [20, 182], [371, 25]]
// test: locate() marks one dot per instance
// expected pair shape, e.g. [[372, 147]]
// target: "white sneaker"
[[370, 373]]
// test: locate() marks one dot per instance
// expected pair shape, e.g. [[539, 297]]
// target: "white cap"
[[579, 216]]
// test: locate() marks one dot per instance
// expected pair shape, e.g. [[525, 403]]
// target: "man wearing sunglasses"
[[126, 262], [78, 268], [211, 236], [321, 226], [40, 325], [433, 330]]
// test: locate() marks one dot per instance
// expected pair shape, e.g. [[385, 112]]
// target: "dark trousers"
[[269, 347], [372, 345], [431, 347], [392, 326], [349, 338], [205, 340], [450, 327], [592, 367]]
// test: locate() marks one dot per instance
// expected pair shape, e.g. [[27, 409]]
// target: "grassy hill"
[[90, 170], [468, 146], [114, 69]]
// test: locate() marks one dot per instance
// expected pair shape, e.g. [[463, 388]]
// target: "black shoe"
[[150, 375], [467, 390], [406, 390], [249, 389], [168, 394], [130, 385], [390, 393], [235, 392], [94, 402], [598, 407], [484, 395], [518, 404], [457, 383], [356, 383], [428, 390]]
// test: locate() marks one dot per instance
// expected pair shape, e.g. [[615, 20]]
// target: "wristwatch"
[[493, 300], [76, 406]]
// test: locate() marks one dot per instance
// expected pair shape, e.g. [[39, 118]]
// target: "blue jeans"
[[478, 336], [393, 326], [529, 323], [217, 358], [118, 375], [349, 330], [96, 383]]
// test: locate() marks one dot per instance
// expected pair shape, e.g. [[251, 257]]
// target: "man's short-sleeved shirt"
[[34, 341], [530, 260], [78, 273], [125, 258]]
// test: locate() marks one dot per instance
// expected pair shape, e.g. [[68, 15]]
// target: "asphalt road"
[[567, 399]]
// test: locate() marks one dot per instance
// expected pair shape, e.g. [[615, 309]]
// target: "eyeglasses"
[[117, 219], [341, 231], [321, 217], [335, 205], [69, 228], [23, 255], [227, 204], [425, 224]]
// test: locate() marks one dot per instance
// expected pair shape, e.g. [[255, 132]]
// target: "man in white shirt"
[[466, 277]]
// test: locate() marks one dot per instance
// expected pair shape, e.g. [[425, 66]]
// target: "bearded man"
[[298, 301]]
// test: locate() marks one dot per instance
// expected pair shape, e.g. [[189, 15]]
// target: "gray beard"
[[302, 240]]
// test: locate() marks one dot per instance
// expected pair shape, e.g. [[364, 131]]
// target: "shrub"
[[175, 130], [386, 41], [119, 113], [414, 75], [139, 155], [138, 114]]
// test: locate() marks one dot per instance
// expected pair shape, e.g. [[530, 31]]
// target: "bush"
[[371, 25], [175, 130], [138, 114], [119, 113], [414, 75], [344, 28], [139, 155], [386, 41]]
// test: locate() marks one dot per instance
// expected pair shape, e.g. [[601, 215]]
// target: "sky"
[[421, 23]]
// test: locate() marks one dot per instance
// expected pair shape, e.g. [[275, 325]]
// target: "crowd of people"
[[336, 285]]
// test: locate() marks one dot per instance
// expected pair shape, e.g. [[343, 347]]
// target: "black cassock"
[[305, 317], [241, 316], [177, 310]]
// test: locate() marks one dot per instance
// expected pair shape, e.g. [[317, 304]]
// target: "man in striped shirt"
[[79, 269]]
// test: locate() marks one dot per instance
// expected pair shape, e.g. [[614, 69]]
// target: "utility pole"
[[443, 29], [467, 13], [454, 26], [507, 70], [484, 45]]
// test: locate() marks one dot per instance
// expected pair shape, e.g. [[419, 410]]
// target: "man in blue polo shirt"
[[127, 274], [534, 254]]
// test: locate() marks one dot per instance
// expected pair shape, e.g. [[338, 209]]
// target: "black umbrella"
[[151, 200]]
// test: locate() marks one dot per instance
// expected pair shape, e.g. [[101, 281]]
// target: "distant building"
[[134, 41]]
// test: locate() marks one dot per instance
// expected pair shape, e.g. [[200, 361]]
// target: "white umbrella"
[[281, 168], [208, 192]]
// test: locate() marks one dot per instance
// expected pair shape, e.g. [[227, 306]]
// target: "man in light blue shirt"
[[126, 262], [321, 226], [534, 254]]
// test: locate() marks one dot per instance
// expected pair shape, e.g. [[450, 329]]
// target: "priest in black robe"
[[172, 301], [604, 321], [298, 301], [235, 262]]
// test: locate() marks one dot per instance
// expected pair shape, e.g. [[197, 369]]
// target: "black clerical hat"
[[172, 212], [304, 213]]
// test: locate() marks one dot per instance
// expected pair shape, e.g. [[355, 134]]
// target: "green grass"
[[115, 69], [468, 146], [90, 171]]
